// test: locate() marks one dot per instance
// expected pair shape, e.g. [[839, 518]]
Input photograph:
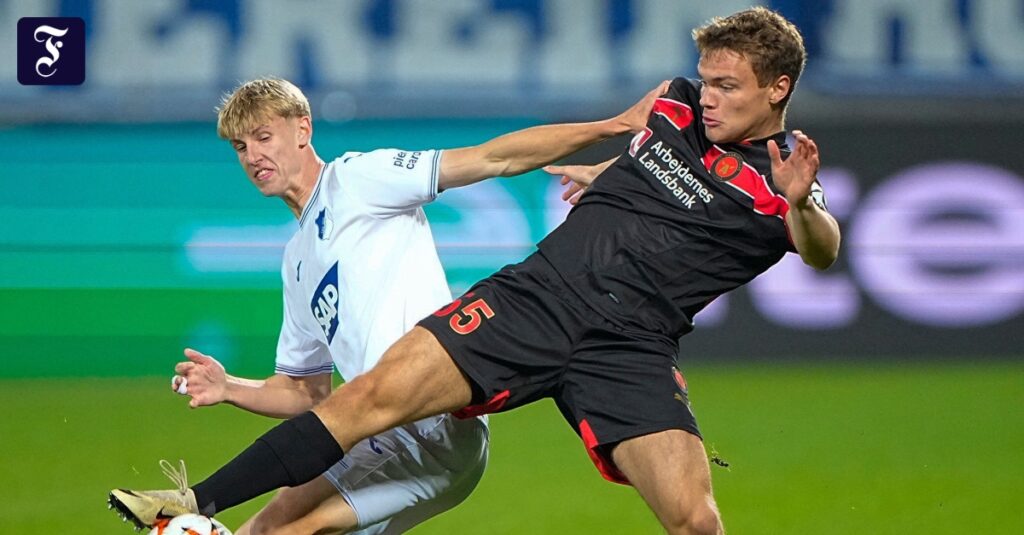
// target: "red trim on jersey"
[[492, 405], [604, 465], [677, 113], [753, 185], [638, 140]]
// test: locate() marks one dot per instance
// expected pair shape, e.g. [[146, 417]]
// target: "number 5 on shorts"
[[469, 318]]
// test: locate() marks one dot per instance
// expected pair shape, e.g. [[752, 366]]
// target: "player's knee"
[[364, 392], [706, 520], [702, 519]]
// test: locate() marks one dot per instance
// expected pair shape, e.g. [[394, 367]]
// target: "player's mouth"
[[263, 174], [710, 123]]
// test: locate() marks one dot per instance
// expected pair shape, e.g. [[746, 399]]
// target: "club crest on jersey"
[[324, 224], [726, 166], [325, 303]]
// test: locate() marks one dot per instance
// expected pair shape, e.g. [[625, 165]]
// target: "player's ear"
[[779, 89], [305, 131]]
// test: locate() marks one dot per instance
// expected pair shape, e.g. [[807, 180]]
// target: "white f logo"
[[51, 47]]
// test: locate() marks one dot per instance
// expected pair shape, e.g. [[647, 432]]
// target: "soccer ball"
[[189, 525]]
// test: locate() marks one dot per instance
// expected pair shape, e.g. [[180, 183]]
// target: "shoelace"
[[180, 478]]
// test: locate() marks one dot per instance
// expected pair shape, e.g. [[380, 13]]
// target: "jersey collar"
[[312, 198]]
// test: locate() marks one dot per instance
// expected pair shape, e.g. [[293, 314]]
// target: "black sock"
[[294, 452]]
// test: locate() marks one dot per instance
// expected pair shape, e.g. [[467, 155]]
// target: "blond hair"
[[771, 44], [257, 101]]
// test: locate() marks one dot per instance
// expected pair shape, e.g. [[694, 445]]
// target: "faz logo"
[[325, 303], [51, 51]]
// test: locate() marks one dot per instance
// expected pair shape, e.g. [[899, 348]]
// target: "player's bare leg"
[[670, 471], [315, 507], [413, 380]]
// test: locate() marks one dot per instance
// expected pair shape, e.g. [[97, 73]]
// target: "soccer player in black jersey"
[[702, 201]]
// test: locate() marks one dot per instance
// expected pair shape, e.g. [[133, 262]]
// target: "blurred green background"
[[139, 240], [122, 245]]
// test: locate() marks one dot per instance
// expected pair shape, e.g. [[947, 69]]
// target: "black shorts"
[[521, 335]]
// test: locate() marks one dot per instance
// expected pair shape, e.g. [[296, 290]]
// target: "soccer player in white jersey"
[[360, 272]]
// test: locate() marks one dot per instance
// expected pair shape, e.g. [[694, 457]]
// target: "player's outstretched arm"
[[204, 379], [532, 148], [814, 231]]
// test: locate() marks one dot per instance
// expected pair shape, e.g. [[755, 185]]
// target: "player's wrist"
[[232, 390], [618, 125], [802, 204]]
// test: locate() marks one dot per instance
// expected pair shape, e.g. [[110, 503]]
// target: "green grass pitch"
[[840, 449]]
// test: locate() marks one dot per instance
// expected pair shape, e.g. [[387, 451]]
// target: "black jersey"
[[675, 222]]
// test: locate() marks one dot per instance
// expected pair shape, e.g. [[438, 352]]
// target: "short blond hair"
[[772, 44], [257, 101]]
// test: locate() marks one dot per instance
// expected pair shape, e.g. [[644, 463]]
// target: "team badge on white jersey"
[[324, 224]]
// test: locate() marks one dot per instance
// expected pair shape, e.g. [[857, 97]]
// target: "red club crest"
[[727, 166]]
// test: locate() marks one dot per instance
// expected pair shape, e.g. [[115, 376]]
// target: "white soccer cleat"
[[145, 507]]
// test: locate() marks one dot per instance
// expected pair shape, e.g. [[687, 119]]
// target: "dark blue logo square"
[[51, 51]]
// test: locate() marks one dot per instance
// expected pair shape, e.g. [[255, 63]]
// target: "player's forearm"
[[268, 398], [522, 151], [815, 234], [530, 149]]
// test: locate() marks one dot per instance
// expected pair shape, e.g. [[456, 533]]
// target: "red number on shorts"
[[469, 323], [450, 307]]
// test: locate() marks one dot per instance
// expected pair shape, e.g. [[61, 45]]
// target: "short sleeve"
[[298, 354], [391, 180]]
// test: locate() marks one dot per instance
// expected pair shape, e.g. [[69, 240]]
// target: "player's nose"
[[705, 99], [253, 157]]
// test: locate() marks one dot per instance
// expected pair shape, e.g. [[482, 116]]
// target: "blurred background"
[[881, 396]]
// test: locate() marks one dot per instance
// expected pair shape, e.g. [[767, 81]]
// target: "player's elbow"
[[317, 390], [820, 264], [316, 397], [822, 258]]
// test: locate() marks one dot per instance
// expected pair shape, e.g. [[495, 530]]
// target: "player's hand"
[[205, 379], [795, 176], [577, 177], [635, 118]]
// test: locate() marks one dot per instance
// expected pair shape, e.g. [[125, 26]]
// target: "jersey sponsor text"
[[325, 303], [674, 175], [406, 159]]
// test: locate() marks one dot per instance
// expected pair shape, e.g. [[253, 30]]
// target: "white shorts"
[[406, 475]]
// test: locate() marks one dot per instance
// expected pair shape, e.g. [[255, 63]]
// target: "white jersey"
[[362, 268], [358, 274]]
